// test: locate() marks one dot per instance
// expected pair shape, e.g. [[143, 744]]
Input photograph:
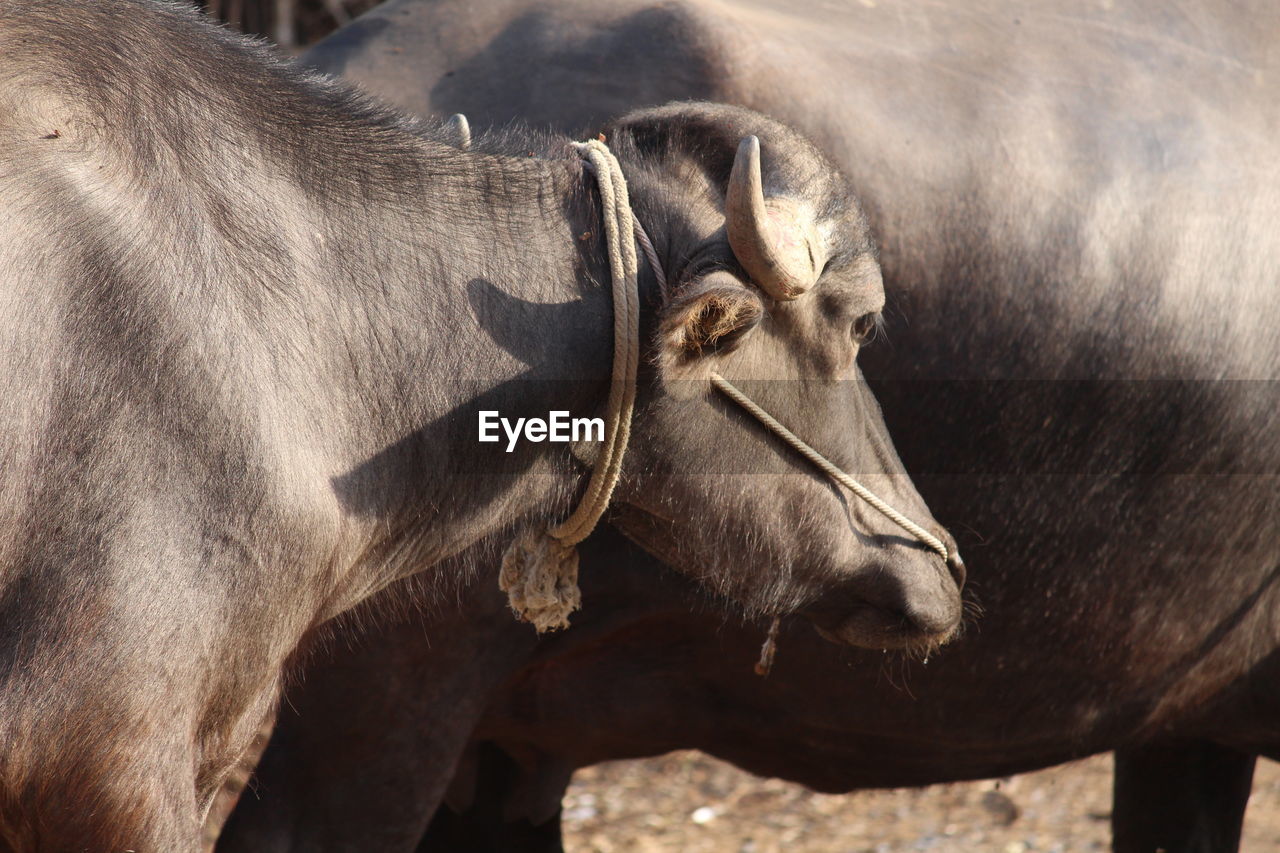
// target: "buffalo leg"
[[1186, 797], [482, 827]]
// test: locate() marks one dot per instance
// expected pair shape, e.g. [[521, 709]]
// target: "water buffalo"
[[253, 319], [1076, 212]]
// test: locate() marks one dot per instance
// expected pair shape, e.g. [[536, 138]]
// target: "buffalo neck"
[[485, 299], [485, 294], [302, 291]]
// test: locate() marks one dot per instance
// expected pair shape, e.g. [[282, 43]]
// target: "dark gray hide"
[[1077, 211], [250, 320]]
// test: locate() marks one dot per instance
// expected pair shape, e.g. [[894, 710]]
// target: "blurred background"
[[292, 24]]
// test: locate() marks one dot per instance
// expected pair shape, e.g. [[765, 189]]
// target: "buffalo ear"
[[712, 314]]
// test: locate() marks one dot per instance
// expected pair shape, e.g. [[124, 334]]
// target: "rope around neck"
[[619, 223], [540, 568]]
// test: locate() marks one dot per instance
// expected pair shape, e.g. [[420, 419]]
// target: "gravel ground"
[[690, 803]]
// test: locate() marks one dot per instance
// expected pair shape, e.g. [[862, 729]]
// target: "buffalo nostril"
[[956, 566]]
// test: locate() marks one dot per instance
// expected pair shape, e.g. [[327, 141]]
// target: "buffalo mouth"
[[870, 627]]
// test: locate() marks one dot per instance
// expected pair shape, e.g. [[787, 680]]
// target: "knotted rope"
[[540, 568]]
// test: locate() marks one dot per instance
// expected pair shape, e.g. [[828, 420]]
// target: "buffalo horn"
[[460, 129], [774, 240]]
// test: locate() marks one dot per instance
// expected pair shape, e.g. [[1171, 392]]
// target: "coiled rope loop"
[[540, 568]]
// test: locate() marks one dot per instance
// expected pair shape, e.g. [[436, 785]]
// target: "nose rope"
[[827, 466]]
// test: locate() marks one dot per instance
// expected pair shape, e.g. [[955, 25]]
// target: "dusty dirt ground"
[[690, 803]]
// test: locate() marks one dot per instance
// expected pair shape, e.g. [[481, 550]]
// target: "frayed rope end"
[[540, 577], [770, 648]]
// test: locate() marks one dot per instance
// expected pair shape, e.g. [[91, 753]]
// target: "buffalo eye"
[[865, 327]]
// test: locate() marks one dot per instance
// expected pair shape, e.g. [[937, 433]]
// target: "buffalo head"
[[771, 281]]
